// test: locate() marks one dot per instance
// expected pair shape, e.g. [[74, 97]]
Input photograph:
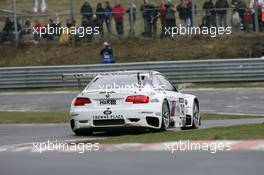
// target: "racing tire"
[[83, 132], [165, 116], [196, 118]]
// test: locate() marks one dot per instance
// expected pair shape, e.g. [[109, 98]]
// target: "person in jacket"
[[146, 10], [162, 15], [248, 20], [235, 21], [208, 20], [108, 16], [107, 55], [39, 27], [221, 11], [87, 11], [208, 6], [118, 13], [100, 15], [6, 33], [185, 10], [170, 18], [154, 19]]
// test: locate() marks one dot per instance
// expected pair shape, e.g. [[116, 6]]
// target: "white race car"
[[131, 99]]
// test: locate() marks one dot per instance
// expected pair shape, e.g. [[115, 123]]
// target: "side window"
[[155, 82], [166, 83]]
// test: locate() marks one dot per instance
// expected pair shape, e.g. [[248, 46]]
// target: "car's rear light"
[[81, 101], [137, 99]]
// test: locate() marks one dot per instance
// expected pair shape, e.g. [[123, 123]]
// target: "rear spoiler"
[[79, 76], [92, 75]]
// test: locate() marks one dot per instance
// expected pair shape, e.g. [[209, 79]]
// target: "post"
[[131, 11], [256, 16], [72, 10], [15, 22], [193, 13]]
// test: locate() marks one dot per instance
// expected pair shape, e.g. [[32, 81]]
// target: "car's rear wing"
[[90, 75]]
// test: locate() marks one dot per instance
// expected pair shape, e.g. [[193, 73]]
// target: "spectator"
[[241, 8], [96, 22], [162, 14], [6, 35], [28, 26], [208, 21], [100, 13], [170, 18], [38, 27], [235, 21], [221, 11], [65, 36], [185, 11], [146, 9], [118, 15], [247, 20], [195, 11], [132, 10], [108, 17], [85, 25], [52, 33], [154, 19], [87, 11], [208, 6], [106, 53], [260, 13]]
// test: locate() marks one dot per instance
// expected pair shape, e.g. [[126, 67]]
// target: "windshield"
[[116, 82]]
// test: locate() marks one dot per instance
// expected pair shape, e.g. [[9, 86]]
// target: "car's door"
[[175, 98]]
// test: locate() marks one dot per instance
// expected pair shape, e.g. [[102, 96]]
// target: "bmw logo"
[[107, 95], [107, 112]]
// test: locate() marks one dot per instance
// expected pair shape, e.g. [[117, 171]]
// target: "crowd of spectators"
[[215, 15]]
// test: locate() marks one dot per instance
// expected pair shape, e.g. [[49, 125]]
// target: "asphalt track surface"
[[28, 133], [248, 101], [120, 163], [239, 101]]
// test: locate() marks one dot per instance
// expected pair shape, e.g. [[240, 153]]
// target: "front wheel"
[[165, 116], [196, 118]]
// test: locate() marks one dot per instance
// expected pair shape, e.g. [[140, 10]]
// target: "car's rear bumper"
[[140, 117]]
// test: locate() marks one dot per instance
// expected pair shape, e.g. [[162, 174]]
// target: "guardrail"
[[224, 70]]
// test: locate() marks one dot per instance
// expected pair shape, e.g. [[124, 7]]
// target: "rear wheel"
[[165, 116]]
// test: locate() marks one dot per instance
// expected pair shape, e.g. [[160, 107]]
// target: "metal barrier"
[[224, 70]]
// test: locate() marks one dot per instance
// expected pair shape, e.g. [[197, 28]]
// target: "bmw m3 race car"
[[131, 99]]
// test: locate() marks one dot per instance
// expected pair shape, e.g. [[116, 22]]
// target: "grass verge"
[[240, 132], [33, 117], [62, 117], [226, 85], [131, 49]]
